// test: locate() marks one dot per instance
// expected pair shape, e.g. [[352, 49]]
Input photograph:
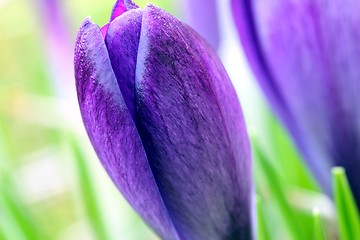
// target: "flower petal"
[[118, 9], [246, 25], [112, 131], [311, 58], [193, 131], [122, 41]]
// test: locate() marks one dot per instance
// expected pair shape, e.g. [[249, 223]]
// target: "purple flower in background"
[[56, 38], [165, 121], [306, 57], [202, 16]]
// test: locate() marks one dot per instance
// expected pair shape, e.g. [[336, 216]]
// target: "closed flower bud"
[[165, 121], [306, 57]]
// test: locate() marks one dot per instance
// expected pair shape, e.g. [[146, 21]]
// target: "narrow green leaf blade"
[[8, 228], [19, 213], [347, 212], [16, 220], [88, 193], [279, 192], [262, 232], [318, 228], [280, 142]]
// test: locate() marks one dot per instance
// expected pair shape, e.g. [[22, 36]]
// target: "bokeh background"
[[52, 185]]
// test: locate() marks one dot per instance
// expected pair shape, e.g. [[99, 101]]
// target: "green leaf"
[[88, 193], [276, 188], [18, 213], [8, 228], [295, 170], [16, 221], [318, 228], [347, 212], [262, 233]]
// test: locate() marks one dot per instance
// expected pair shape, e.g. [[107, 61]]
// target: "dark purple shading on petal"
[[122, 42], [311, 49], [193, 131], [112, 130]]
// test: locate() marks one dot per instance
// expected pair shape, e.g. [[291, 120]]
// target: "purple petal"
[[202, 16], [112, 131], [193, 131], [104, 30], [122, 41], [119, 8], [307, 63]]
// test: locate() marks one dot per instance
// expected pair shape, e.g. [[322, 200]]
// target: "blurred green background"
[[52, 185], [49, 187]]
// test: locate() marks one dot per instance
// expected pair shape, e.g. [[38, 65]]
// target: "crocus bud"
[[306, 57], [166, 123]]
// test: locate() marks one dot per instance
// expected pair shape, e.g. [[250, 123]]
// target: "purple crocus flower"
[[306, 55], [166, 123]]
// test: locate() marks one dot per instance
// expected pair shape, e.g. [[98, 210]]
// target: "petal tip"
[[122, 6], [86, 21], [85, 25], [130, 4]]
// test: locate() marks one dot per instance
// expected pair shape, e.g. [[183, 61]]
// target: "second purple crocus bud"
[[165, 121], [306, 57]]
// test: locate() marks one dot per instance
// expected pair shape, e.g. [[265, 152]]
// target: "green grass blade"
[[19, 221], [88, 193], [276, 188], [8, 228], [19, 213], [347, 212], [318, 228], [262, 232], [288, 157]]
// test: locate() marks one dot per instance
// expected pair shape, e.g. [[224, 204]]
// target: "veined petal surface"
[[189, 119], [112, 130], [122, 42]]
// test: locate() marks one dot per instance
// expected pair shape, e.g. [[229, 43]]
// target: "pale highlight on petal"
[[112, 131]]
